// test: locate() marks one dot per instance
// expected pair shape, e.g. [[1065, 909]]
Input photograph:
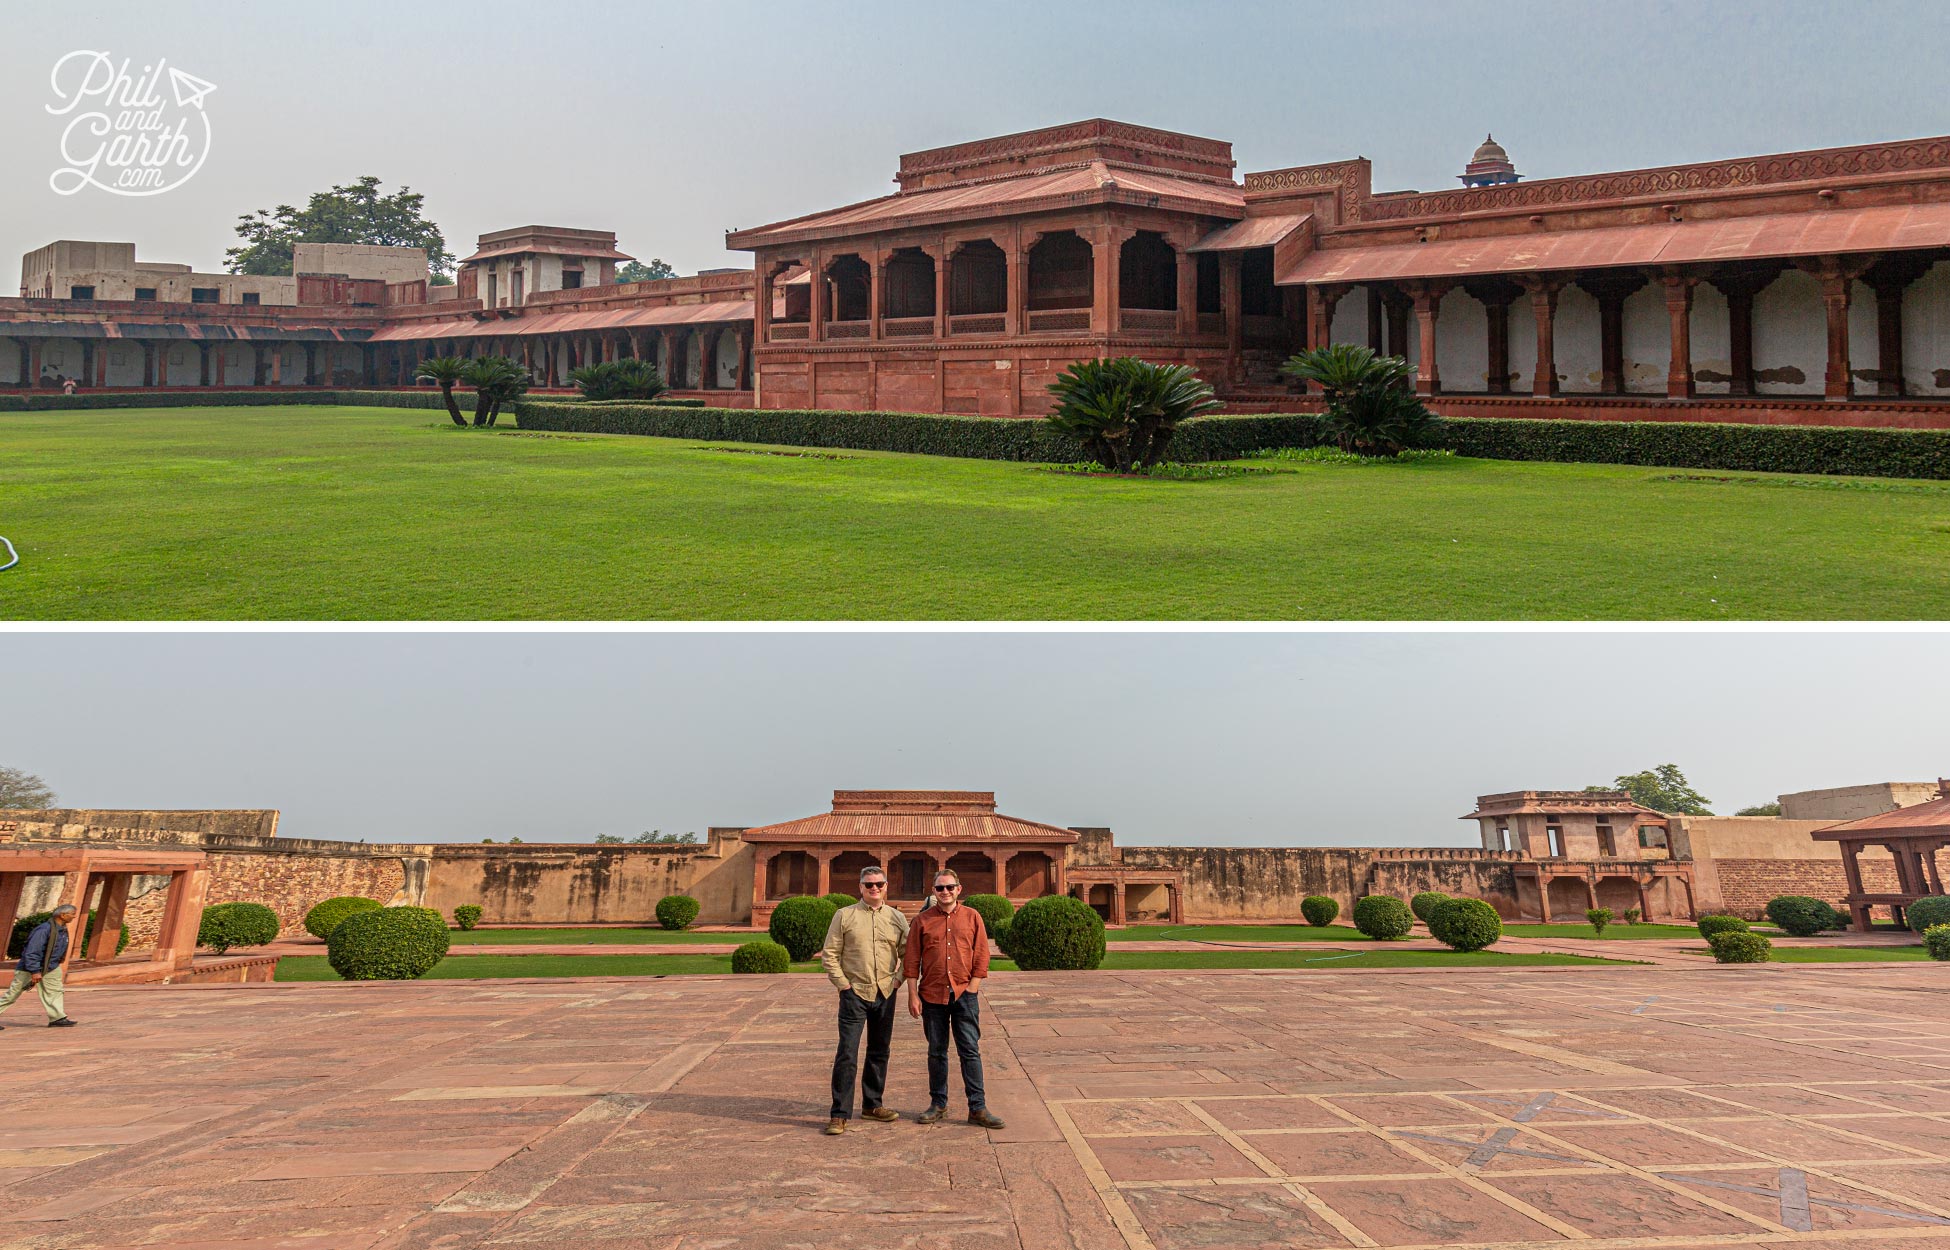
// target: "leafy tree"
[[1760, 809], [22, 789], [444, 371], [1124, 410], [1370, 408], [657, 837], [609, 839], [1663, 789], [637, 271], [355, 213]]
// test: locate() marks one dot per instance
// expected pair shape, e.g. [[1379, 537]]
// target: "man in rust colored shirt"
[[947, 959]]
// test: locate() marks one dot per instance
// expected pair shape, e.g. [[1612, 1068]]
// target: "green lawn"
[[1235, 933], [1846, 954], [1612, 932], [379, 513], [594, 937], [472, 967]]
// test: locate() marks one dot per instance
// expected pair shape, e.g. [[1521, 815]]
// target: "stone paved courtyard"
[[1639, 1107]]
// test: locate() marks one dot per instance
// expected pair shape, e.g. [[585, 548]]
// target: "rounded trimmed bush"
[[466, 916], [1936, 940], [1425, 903], [840, 899], [1632, 915], [1383, 917], [761, 956], [388, 944], [1800, 916], [799, 925], [1000, 935], [1711, 926], [1739, 946], [1056, 932], [25, 926], [995, 910], [227, 925], [1465, 924], [1927, 913], [330, 914], [1318, 910], [677, 911], [1599, 917]]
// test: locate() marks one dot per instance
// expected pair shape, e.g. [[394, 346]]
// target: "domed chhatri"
[[1489, 166]]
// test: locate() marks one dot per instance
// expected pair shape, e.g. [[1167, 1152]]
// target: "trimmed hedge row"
[[1666, 444]]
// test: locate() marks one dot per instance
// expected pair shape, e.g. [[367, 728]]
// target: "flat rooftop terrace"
[[1621, 1108]]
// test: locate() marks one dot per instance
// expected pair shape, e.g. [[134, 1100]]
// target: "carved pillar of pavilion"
[[1496, 296], [744, 340], [817, 301], [1611, 288], [101, 365], [824, 882], [762, 300], [940, 254], [1187, 288], [1232, 305], [1543, 307], [1001, 861], [1837, 276], [1428, 304], [1679, 313], [108, 918], [1740, 285], [1106, 245], [1016, 260], [876, 290], [707, 351], [1889, 278]]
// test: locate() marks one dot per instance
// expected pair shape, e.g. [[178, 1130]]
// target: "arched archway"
[[907, 285], [1031, 875], [1569, 897], [849, 287], [1101, 898], [1147, 273], [978, 283], [976, 870], [790, 873], [1621, 894], [844, 875], [1062, 274]]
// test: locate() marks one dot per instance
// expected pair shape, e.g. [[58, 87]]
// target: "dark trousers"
[[877, 1018], [960, 1015]]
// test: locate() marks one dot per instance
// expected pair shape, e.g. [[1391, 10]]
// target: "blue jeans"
[[876, 1020], [960, 1015]]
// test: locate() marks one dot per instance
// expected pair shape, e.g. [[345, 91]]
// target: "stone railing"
[[788, 333], [1059, 319], [978, 323], [849, 329], [1147, 319], [907, 328]]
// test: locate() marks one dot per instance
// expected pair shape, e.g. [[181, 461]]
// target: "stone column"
[[1187, 287], [1105, 251], [33, 375], [203, 363], [101, 365], [1231, 265], [1496, 298], [257, 364], [84, 886], [12, 886], [744, 343], [1016, 258], [1428, 304], [762, 300], [1889, 278], [108, 919], [1679, 312], [1543, 306], [876, 290], [1117, 912], [816, 329], [825, 880], [162, 365], [943, 258], [1001, 862], [1837, 279], [311, 364]]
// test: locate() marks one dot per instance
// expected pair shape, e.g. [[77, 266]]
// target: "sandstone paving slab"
[[1155, 1110]]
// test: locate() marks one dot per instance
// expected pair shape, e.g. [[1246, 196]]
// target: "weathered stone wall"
[[1267, 883], [244, 821], [1740, 862], [577, 883], [287, 875]]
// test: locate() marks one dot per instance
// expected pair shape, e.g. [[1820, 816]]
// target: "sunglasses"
[[946, 889], [873, 885]]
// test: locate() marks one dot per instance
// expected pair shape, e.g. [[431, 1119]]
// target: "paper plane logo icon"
[[189, 89]]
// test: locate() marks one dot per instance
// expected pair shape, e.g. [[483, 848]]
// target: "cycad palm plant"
[[1124, 410], [444, 371], [1370, 408], [495, 379]]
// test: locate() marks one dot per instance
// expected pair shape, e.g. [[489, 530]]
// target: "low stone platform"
[[1623, 1108]]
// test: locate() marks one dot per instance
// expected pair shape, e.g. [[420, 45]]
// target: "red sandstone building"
[[1581, 849], [1807, 287]]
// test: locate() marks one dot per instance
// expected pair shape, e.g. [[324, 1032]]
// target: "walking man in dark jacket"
[[41, 964]]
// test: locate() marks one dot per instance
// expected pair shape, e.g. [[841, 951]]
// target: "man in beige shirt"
[[862, 958]]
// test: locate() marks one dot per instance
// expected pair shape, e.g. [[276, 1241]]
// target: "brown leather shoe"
[[931, 1115], [836, 1126], [883, 1114], [984, 1119]]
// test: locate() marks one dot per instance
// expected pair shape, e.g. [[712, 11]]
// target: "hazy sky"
[[1250, 738], [670, 123]]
